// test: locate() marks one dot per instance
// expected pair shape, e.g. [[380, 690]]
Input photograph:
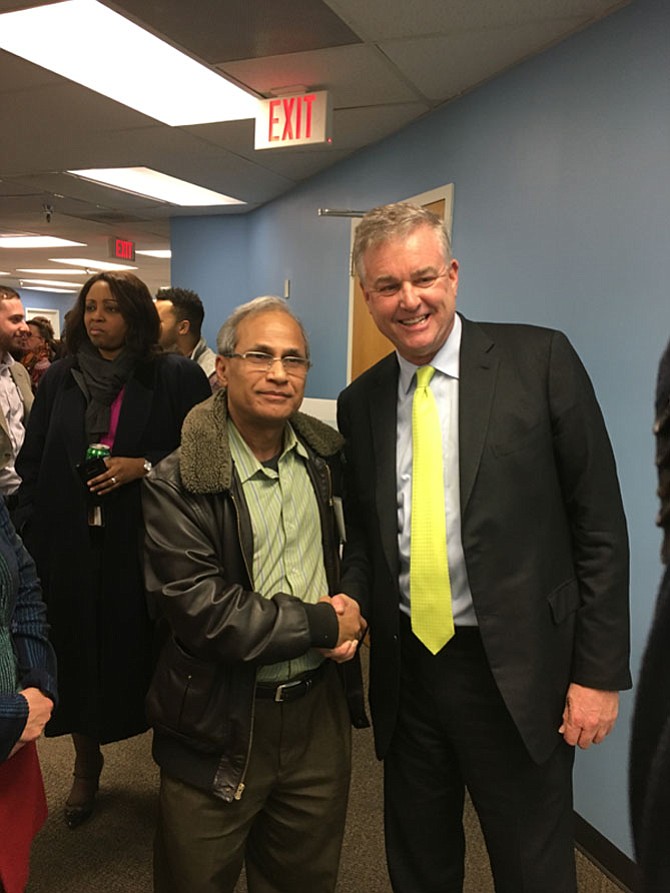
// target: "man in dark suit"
[[537, 571]]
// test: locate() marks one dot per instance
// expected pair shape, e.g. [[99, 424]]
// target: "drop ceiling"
[[385, 62]]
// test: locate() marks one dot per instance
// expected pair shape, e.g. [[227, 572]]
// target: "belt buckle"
[[290, 686]]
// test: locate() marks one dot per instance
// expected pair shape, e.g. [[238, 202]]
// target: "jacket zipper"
[[241, 784]]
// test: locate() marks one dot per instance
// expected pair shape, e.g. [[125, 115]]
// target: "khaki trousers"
[[288, 825]]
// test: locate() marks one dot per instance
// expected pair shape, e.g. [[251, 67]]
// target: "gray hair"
[[392, 221], [226, 340]]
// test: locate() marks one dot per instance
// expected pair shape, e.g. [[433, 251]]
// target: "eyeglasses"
[[419, 283], [260, 361]]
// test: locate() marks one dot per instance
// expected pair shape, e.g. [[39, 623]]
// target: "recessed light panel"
[[38, 242], [49, 288], [161, 253], [152, 77], [89, 264], [149, 183], [68, 286], [49, 271]]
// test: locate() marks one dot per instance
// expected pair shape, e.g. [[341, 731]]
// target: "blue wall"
[[211, 257], [562, 189], [47, 300]]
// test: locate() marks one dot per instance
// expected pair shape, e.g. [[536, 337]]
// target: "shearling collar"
[[205, 463]]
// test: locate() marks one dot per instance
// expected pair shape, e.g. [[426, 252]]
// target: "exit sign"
[[296, 120], [121, 249]]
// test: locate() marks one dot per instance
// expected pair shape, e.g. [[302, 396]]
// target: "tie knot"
[[423, 376]]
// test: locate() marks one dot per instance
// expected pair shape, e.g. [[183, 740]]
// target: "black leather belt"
[[293, 689]]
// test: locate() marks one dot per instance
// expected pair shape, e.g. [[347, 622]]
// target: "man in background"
[[181, 314], [16, 396], [486, 542]]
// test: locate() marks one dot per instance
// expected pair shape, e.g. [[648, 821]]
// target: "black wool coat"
[[92, 577]]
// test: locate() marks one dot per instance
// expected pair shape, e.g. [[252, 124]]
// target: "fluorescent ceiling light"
[[89, 264], [163, 253], [69, 286], [154, 78], [153, 184], [37, 241], [3, 273], [52, 270], [51, 288]]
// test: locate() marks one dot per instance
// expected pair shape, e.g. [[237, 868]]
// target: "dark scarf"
[[101, 380]]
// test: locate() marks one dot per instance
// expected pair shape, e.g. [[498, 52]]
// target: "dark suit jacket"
[[543, 529], [649, 775]]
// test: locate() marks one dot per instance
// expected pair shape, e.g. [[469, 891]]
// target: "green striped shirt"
[[288, 550]]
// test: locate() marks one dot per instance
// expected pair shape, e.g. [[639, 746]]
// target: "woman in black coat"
[[114, 387]]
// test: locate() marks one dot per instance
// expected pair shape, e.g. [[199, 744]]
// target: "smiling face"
[[261, 400], [104, 324], [13, 328], [410, 290]]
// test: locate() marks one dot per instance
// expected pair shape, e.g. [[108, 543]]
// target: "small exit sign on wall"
[[296, 120], [121, 249]]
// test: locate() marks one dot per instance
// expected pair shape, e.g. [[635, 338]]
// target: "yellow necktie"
[[430, 590]]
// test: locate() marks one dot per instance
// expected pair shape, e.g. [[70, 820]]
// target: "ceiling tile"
[[355, 75], [380, 20], [354, 128], [16, 73], [238, 29], [444, 67]]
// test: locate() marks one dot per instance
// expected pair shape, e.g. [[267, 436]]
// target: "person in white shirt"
[[16, 396], [181, 314]]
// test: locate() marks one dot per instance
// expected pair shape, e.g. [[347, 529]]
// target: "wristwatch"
[[147, 466]]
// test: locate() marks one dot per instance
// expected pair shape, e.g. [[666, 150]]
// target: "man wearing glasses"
[[251, 723]]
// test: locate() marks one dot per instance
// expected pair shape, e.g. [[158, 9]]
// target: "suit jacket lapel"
[[22, 381], [383, 398], [478, 373], [25, 393]]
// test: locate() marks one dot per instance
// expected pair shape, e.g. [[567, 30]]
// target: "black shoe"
[[77, 815], [81, 800]]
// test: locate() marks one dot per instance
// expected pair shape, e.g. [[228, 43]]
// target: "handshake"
[[351, 627]]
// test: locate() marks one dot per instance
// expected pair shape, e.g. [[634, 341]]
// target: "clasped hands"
[[351, 627]]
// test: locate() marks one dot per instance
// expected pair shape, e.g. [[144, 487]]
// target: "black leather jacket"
[[199, 559]]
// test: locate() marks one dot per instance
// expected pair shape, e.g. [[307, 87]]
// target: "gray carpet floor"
[[112, 852]]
